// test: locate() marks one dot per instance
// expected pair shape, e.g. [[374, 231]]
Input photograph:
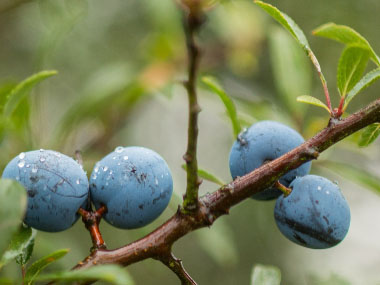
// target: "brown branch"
[[192, 22], [91, 220], [219, 202], [175, 265]]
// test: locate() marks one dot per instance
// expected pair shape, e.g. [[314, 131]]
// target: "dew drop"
[[21, 164], [114, 157], [96, 169], [105, 168], [42, 159], [156, 181], [21, 155], [94, 176], [28, 165], [119, 149], [125, 157], [78, 181], [34, 169], [319, 188], [111, 172], [42, 150], [57, 154], [336, 182], [118, 163], [327, 192]]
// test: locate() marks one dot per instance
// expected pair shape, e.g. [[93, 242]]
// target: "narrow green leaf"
[[213, 85], [265, 275], [352, 64], [219, 243], [366, 81], [207, 176], [297, 33], [21, 246], [22, 89], [287, 23], [35, 269], [109, 273], [355, 174], [312, 101], [369, 135], [346, 35], [291, 69], [12, 209]]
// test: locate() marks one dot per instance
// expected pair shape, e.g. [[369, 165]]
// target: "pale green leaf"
[[18, 93], [12, 209], [265, 275], [213, 85], [40, 264], [207, 176], [113, 274], [369, 135], [352, 64], [356, 174], [291, 69], [346, 35], [312, 101], [219, 243], [366, 81], [21, 246]]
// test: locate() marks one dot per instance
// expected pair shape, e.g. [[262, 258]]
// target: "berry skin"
[[56, 186], [262, 142], [315, 214], [134, 183]]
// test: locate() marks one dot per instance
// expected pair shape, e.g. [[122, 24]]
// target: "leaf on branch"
[[113, 274], [265, 275], [355, 174], [18, 93], [12, 209], [366, 81], [35, 269], [352, 64], [312, 101], [346, 35], [207, 176], [369, 135], [21, 247], [214, 86]]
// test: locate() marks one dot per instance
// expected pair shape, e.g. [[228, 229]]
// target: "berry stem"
[[91, 220], [193, 20], [283, 188]]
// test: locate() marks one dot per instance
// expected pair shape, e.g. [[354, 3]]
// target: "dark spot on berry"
[[32, 193]]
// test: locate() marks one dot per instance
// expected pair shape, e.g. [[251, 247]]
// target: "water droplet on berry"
[[21, 155], [119, 149], [21, 164]]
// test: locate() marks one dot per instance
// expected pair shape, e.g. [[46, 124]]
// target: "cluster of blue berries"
[[315, 214], [133, 183]]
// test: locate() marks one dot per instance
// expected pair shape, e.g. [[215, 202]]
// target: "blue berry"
[[315, 214], [56, 186], [263, 142], [134, 183]]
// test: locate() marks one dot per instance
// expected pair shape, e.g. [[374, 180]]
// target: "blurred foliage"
[[121, 64]]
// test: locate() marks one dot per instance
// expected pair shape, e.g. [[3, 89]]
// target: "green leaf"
[[287, 23], [109, 273], [35, 269], [22, 89], [346, 35], [265, 275], [6, 281], [207, 176], [369, 135], [355, 174], [297, 33], [366, 81], [21, 246], [352, 64], [12, 209], [213, 85], [291, 69], [312, 101], [219, 243]]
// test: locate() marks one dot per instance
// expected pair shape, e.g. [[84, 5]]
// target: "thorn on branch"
[[175, 265]]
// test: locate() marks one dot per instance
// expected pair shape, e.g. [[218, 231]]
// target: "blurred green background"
[[120, 67]]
